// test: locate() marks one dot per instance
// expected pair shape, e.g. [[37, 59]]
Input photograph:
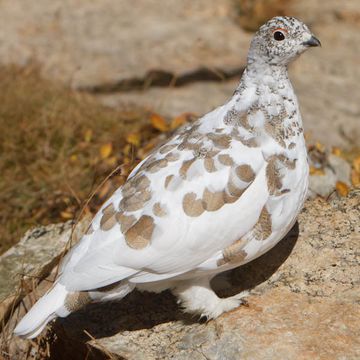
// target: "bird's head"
[[280, 41]]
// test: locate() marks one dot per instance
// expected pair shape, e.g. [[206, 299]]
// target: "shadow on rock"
[[146, 310], [248, 276], [137, 311]]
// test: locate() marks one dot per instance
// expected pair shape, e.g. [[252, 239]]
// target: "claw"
[[245, 303], [241, 295]]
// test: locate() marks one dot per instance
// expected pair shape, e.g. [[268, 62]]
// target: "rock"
[[197, 98], [322, 78], [23, 266], [325, 258], [322, 185], [278, 325], [335, 169], [341, 168], [328, 172], [112, 44], [319, 76], [304, 303], [159, 56]]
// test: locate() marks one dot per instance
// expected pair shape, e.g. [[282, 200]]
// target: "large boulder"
[[117, 44], [304, 303], [184, 56]]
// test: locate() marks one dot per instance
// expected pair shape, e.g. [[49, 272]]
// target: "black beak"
[[313, 41]]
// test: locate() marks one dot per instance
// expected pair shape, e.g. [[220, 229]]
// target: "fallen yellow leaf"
[[134, 139], [73, 158], [355, 178], [127, 149], [342, 189], [111, 161], [178, 121], [159, 123], [316, 171], [356, 164], [105, 150], [320, 147], [336, 151], [127, 161], [88, 135], [66, 215]]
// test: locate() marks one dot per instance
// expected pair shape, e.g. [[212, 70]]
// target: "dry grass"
[[12, 347], [58, 148], [54, 147]]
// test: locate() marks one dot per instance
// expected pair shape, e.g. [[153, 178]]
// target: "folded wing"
[[180, 206]]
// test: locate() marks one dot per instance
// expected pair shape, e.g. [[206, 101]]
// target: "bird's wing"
[[185, 202]]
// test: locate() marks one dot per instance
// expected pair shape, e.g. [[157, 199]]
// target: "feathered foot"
[[197, 297]]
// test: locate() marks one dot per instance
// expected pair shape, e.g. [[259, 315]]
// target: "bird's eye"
[[279, 35]]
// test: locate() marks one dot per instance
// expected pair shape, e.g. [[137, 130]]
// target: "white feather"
[[264, 122], [42, 312]]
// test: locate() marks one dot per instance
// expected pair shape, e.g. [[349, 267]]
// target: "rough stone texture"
[[305, 298], [304, 301], [96, 43], [111, 45], [325, 79], [334, 169], [304, 304], [341, 168], [280, 325], [323, 184], [24, 265], [197, 98]]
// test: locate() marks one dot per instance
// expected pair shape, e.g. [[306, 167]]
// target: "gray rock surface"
[[341, 168], [305, 292], [24, 265], [323, 184], [304, 304], [334, 169], [326, 82], [115, 45], [89, 44]]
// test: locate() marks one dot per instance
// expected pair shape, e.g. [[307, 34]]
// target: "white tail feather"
[[42, 312]]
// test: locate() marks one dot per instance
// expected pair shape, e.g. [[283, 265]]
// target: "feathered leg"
[[197, 297]]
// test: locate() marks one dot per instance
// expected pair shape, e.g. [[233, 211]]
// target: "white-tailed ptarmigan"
[[220, 193]]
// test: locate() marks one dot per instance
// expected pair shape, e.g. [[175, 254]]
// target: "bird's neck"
[[262, 83], [260, 72], [266, 96]]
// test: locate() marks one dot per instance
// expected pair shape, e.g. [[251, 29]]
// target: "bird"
[[222, 191]]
